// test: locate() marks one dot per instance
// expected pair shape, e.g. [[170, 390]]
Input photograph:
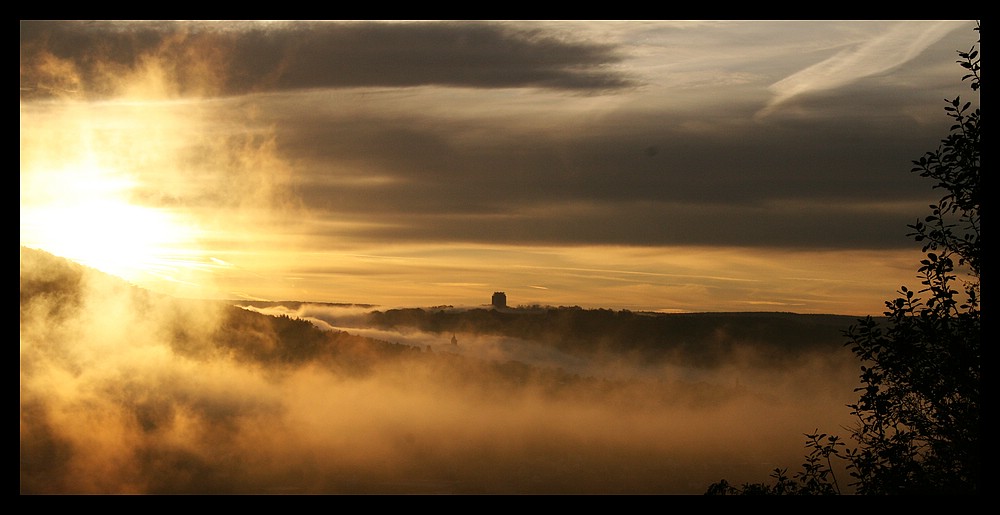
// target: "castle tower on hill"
[[499, 300]]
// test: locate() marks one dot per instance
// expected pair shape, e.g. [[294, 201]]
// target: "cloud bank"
[[328, 160], [231, 58]]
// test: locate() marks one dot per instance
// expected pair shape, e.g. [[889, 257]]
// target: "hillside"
[[696, 339], [55, 288]]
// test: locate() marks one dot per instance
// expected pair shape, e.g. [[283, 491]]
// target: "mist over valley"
[[127, 391]]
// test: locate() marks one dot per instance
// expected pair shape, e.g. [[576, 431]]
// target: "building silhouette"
[[499, 300]]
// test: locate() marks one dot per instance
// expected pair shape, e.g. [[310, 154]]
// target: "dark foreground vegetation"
[[918, 415]]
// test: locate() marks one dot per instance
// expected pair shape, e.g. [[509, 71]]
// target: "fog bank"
[[125, 392]]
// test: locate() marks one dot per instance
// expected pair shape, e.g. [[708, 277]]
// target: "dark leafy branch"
[[918, 411]]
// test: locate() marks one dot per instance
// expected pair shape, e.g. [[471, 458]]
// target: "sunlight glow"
[[83, 213]]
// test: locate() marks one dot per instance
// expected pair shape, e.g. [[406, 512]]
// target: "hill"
[[695, 339]]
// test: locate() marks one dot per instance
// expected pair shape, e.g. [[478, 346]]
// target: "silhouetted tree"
[[919, 406], [816, 477], [918, 412]]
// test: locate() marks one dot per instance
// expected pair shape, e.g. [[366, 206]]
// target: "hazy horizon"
[[668, 166], [122, 392]]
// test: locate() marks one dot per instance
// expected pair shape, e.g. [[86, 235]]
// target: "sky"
[[670, 166]]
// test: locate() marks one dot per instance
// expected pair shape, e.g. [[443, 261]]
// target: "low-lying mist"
[[124, 391]]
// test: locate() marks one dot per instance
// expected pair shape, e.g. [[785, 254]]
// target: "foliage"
[[919, 406], [918, 411], [816, 478]]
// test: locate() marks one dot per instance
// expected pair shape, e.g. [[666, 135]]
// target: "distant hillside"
[[696, 338], [701, 339], [295, 304], [53, 289]]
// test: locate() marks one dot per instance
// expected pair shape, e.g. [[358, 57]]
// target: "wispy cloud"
[[884, 51]]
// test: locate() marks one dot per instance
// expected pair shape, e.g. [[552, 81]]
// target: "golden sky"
[[671, 166]]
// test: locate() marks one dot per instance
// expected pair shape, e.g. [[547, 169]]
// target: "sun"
[[150, 191], [83, 212]]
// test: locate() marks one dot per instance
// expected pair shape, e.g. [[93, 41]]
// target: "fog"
[[674, 167], [122, 391]]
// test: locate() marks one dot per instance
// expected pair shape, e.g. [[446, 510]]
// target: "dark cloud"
[[840, 183], [235, 58], [825, 227], [797, 136], [419, 165]]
